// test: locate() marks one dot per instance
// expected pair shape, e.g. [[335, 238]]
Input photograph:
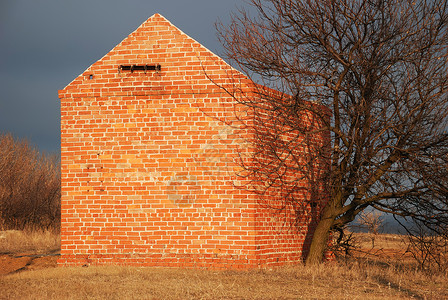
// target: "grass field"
[[384, 272], [29, 241]]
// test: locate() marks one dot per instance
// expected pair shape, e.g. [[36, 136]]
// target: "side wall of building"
[[288, 171]]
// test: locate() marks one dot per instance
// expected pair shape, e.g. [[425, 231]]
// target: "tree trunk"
[[319, 242]]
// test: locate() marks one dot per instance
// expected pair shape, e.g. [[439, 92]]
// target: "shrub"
[[30, 186], [429, 248]]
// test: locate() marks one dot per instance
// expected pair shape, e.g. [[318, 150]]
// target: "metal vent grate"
[[144, 68]]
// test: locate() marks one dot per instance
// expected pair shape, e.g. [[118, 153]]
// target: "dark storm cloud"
[[46, 44]]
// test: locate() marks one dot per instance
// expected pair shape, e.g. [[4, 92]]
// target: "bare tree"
[[379, 67], [373, 222]]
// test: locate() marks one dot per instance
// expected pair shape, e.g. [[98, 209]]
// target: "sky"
[[45, 44]]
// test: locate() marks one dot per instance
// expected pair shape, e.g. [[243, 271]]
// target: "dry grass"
[[361, 278], [29, 241], [385, 246], [388, 241], [330, 281]]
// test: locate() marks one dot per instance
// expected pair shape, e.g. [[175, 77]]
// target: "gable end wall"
[[148, 171]]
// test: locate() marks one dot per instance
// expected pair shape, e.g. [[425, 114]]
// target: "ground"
[[28, 250], [11, 263], [385, 271]]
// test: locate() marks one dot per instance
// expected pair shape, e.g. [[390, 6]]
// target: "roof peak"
[[154, 35]]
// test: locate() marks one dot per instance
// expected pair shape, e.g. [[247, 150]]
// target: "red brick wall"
[[148, 170]]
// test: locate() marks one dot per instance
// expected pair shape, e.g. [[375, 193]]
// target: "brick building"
[[148, 168]]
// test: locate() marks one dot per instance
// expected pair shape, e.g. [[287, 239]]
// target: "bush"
[[429, 248], [30, 186]]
